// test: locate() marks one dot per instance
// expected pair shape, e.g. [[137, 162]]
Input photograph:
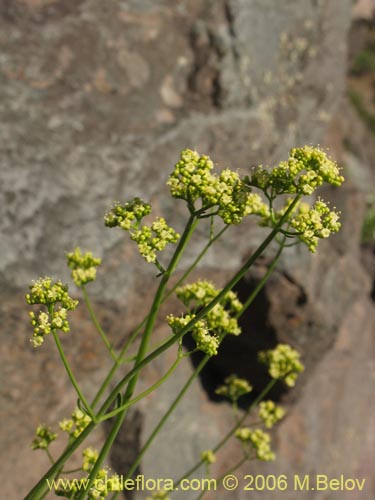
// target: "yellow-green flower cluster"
[[206, 341], [283, 363], [46, 292], [83, 266], [90, 456], [75, 425], [270, 413], [103, 484], [129, 215], [192, 180], [314, 223], [259, 440], [218, 320], [199, 294], [208, 457], [306, 169], [44, 438], [150, 239], [234, 387], [154, 239]]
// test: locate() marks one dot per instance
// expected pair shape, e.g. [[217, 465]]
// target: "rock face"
[[98, 98]]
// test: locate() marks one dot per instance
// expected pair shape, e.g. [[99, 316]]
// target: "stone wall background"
[[97, 100]]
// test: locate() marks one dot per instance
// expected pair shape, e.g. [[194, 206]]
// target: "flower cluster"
[[259, 440], [205, 341], [103, 485], [315, 222], [44, 438], [208, 457], [283, 363], [90, 456], [75, 425], [306, 169], [154, 239], [83, 266], [150, 239], [129, 215], [46, 292], [192, 180], [219, 320], [270, 413], [234, 388]]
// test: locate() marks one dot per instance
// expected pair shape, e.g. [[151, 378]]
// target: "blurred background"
[[97, 100]]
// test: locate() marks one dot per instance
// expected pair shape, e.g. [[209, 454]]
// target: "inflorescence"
[[50, 294], [44, 437], [234, 387], [257, 439], [270, 413], [103, 484], [83, 266], [75, 425], [150, 239], [226, 193], [219, 320], [283, 363], [306, 169]]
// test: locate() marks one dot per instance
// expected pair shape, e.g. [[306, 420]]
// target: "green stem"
[[196, 262], [50, 456], [100, 330], [262, 282], [114, 368], [230, 433], [166, 415], [71, 376], [134, 335], [189, 229], [229, 471], [199, 368], [144, 393], [41, 485]]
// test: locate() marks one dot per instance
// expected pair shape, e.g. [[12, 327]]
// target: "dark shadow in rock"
[[239, 355]]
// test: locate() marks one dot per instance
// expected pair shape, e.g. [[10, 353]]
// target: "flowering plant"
[[209, 314]]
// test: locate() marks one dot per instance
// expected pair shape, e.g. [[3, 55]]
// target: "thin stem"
[[114, 368], [232, 430], [71, 470], [262, 282], [189, 229], [196, 261], [197, 371], [144, 393], [100, 330], [166, 416], [41, 486], [229, 471], [71, 376], [50, 456], [139, 327]]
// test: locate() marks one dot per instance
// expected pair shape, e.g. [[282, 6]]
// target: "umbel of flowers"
[[50, 294], [150, 239], [218, 321], [83, 266], [192, 180]]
